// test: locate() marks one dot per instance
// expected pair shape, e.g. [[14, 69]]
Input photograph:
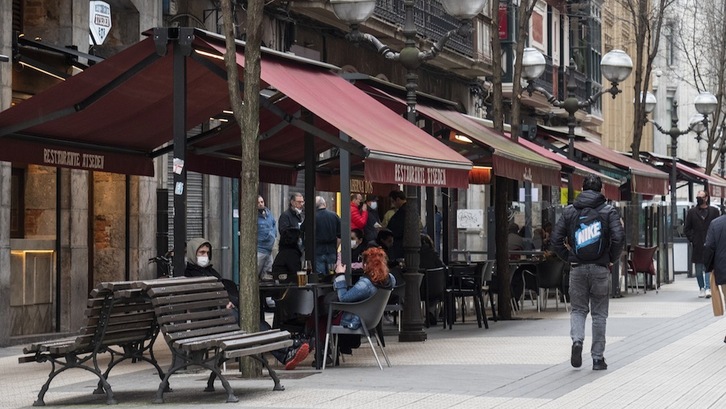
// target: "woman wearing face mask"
[[199, 264], [357, 247]]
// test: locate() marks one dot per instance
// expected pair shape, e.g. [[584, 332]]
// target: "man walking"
[[293, 217], [590, 236], [266, 235], [698, 219], [714, 258], [327, 237]]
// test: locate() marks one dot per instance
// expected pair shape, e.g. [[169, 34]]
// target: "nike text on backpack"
[[590, 236]]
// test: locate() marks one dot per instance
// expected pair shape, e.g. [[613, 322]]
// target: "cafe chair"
[[293, 309], [433, 292], [467, 281], [524, 283], [487, 276], [398, 297], [550, 273], [370, 312], [641, 261]]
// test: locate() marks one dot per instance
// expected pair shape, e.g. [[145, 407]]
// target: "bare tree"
[[703, 45], [645, 18], [501, 184], [247, 114], [646, 23]]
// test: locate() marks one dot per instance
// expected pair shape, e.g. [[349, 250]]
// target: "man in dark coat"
[[698, 219], [589, 235]]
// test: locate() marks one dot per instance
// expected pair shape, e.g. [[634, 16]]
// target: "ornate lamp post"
[[355, 12], [616, 66], [706, 104]]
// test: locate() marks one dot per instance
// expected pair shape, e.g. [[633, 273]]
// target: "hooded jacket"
[[195, 270], [567, 224]]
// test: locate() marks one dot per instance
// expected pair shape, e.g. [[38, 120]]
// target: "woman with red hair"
[[375, 276]]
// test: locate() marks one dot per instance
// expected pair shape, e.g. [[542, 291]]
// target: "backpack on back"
[[590, 237]]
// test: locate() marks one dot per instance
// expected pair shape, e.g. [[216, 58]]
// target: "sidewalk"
[[664, 350]]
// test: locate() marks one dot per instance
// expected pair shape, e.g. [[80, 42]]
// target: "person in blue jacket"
[[266, 235]]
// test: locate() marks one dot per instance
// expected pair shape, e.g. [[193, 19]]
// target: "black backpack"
[[590, 237]]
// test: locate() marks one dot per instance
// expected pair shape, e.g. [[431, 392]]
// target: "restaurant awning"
[[117, 116], [644, 178], [690, 172], [611, 187], [508, 159]]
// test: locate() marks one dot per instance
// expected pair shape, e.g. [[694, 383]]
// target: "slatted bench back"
[[193, 312], [116, 314]]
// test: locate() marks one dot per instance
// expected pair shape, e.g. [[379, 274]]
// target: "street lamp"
[[354, 12], [706, 104], [616, 66]]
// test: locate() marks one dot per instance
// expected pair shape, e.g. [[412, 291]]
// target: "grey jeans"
[[589, 292]]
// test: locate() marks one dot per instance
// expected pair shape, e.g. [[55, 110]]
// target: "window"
[[670, 42], [17, 203]]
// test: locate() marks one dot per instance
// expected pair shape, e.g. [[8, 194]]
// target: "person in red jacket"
[[358, 212]]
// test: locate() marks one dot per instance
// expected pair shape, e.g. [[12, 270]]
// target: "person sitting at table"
[[515, 242], [384, 240], [428, 256], [357, 247], [288, 256], [199, 264], [375, 275]]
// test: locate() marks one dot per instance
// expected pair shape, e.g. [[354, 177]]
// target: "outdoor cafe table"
[[318, 290]]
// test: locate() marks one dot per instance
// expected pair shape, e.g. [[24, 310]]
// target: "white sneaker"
[[708, 293], [702, 293]]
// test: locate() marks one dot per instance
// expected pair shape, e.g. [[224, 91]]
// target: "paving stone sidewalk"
[[664, 350]]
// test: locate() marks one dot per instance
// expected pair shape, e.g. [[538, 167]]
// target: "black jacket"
[[567, 224], [695, 229], [290, 219], [714, 250], [194, 270]]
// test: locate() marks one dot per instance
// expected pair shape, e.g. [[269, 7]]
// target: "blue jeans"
[[589, 293], [325, 262], [703, 277]]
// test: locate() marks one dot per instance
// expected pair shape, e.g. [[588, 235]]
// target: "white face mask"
[[353, 244], [374, 205], [203, 261]]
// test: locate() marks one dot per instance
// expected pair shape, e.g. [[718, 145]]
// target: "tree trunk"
[[501, 222], [247, 115]]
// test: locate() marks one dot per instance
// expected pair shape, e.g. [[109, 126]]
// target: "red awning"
[[716, 186], [508, 158], [117, 116], [397, 151], [644, 178], [611, 187]]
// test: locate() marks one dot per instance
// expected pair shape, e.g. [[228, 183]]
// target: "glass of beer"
[[302, 279]]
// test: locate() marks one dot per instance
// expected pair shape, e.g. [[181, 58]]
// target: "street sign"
[[100, 21]]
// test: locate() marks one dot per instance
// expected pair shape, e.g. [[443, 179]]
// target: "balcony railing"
[[430, 19]]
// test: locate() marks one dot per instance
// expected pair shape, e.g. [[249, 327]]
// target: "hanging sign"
[[100, 22]]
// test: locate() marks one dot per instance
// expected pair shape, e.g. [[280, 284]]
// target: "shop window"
[[17, 203]]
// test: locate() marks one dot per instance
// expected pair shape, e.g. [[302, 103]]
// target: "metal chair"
[[641, 261], [467, 281], [370, 312], [549, 276], [433, 291], [294, 308]]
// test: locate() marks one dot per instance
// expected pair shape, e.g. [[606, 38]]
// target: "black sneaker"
[[599, 365], [576, 357]]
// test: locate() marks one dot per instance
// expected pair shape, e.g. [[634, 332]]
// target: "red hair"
[[375, 265]]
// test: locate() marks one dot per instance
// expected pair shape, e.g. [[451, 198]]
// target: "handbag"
[[716, 297]]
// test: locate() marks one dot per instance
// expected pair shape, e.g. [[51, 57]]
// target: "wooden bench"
[[119, 320], [201, 331]]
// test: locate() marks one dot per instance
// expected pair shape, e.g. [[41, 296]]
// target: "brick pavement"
[[664, 350]]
